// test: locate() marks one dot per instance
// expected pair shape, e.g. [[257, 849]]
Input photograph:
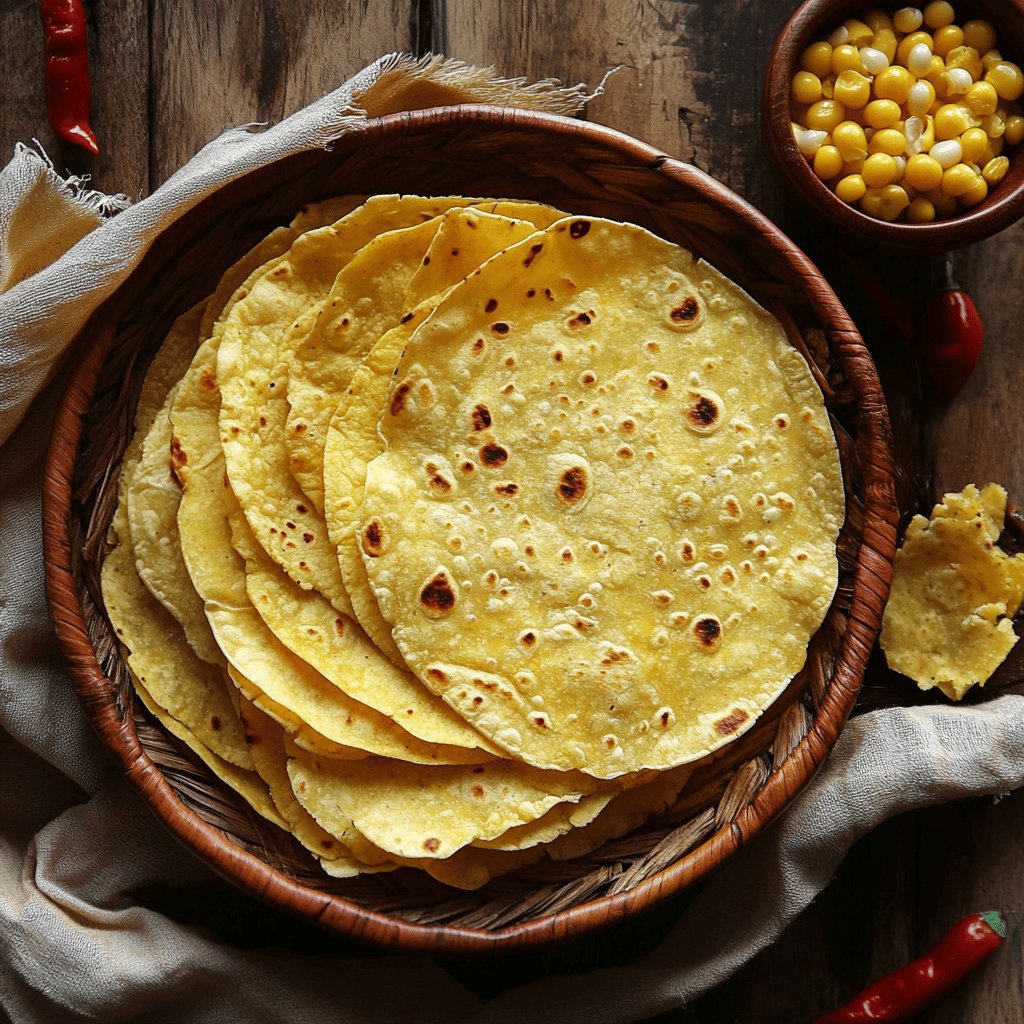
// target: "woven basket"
[[584, 169]]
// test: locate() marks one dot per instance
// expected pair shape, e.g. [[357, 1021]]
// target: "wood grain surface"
[[168, 76]]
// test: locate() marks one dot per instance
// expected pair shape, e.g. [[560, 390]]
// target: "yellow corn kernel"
[[893, 84], [1014, 129], [885, 203], [858, 33], [981, 99], [885, 40], [965, 57], [938, 14], [973, 141], [805, 87], [846, 58], [882, 113], [948, 37], [928, 135], [923, 172], [907, 43], [817, 59], [934, 74], [850, 188], [976, 193], [990, 59], [920, 211], [877, 19], [825, 115], [849, 139], [828, 84], [871, 202], [1007, 79], [907, 19], [979, 34], [879, 169], [945, 206], [952, 120], [852, 89], [828, 162], [853, 166], [995, 170], [888, 140], [993, 125], [958, 180]]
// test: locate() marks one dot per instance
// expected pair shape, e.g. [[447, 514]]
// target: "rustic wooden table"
[[168, 76]]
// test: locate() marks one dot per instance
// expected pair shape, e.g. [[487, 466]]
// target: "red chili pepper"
[[914, 987], [68, 94]]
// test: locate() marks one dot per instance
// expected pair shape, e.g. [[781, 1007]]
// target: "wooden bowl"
[[816, 19], [585, 169]]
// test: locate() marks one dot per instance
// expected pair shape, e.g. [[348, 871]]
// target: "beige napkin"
[[77, 843]]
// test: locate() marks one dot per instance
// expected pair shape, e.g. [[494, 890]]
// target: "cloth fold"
[[78, 938]]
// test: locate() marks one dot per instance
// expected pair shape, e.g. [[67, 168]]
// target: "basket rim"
[[870, 588]]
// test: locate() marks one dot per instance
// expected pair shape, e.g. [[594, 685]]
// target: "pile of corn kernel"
[[906, 115]]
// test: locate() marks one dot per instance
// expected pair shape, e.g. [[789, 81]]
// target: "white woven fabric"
[[76, 842]]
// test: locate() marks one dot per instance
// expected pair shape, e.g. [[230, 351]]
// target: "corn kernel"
[[907, 19], [1014, 129], [874, 61], [976, 193], [851, 188], [920, 211], [828, 87], [825, 115], [965, 57], [981, 99], [1007, 79], [956, 81], [807, 140], [937, 68], [853, 166], [894, 84], [938, 13], [828, 162], [879, 169], [973, 142], [894, 200], [849, 139], [993, 125], [839, 36], [923, 172], [946, 38], [995, 170], [919, 60], [877, 19], [958, 180], [882, 113], [885, 40], [817, 59], [979, 34], [852, 89], [920, 97], [945, 206], [952, 120], [888, 140], [990, 59], [846, 58], [871, 203], [857, 32], [907, 43], [805, 87]]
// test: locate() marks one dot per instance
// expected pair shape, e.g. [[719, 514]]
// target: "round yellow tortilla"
[[604, 525]]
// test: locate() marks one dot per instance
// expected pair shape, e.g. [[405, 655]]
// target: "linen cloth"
[[78, 940]]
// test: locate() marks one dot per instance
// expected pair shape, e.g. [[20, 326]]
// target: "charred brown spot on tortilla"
[[578, 228], [477, 790], [587, 378], [215, 723], [398, 398], [686, 312], [614, 655], [308, 538], [372, 538], [438, 676], [708, 630], [500, 327], [281, 271], [540, 721], [572, 486], [478, 346], [327, 844], [557, 355], [467, 467], [438, 596], [300, 428], [339, 627], [179, 457], [432, 845], [531, 292], [581, 319], [477, 701], [508, 489], [493, 455], [703, 412], [625, 452], [534, 250], [728, 725], [658, 381], [291, 525], [208, 379], [492, 305], [437, 479], [529, 638], [405, 319]]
